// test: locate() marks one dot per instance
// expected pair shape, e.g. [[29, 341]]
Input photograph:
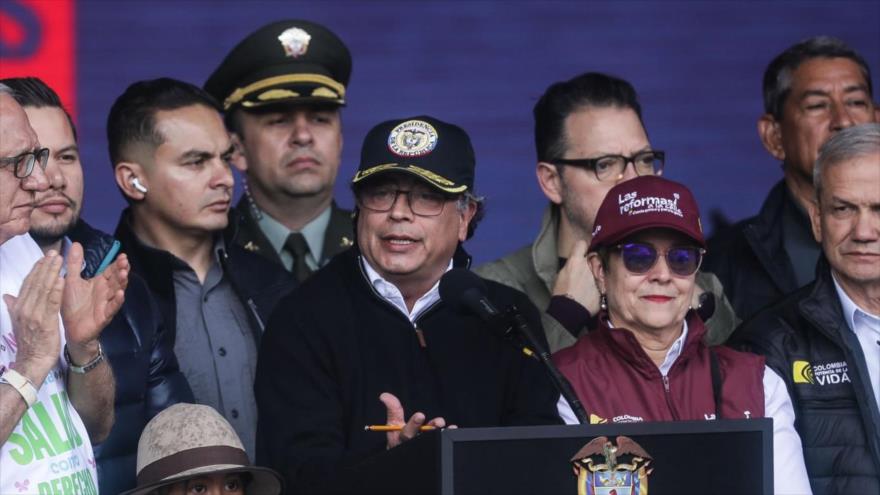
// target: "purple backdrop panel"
[[482, 65]]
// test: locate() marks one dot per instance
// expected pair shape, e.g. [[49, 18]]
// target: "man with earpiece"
[[170, 152], [136, 184]]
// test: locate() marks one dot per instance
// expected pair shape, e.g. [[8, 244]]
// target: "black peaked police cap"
[[437, 152], [292, 61]]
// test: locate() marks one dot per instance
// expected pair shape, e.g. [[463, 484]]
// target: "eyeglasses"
[[23, 164], [421, 202], [610, 167], [638, 258]]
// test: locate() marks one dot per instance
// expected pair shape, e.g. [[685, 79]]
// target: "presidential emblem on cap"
[[412, 138], [603, 468], [295, 41]]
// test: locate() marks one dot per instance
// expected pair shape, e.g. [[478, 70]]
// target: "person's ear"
[[238, 160], [550, 181], [131, 180], [771, 136], [598, 270], [466, 217]]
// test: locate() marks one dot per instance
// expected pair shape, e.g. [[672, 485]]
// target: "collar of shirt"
[[674, 350], [313, 232], [219, 246], [391, 293], [855, 316]]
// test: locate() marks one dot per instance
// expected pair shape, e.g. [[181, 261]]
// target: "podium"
[[689, 457]]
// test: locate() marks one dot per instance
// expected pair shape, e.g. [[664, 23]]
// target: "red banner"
[[37, 38]]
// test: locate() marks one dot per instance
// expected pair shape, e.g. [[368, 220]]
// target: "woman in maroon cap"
[[646, 359]]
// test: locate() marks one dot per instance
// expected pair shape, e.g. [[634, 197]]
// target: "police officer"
[[282, 89]]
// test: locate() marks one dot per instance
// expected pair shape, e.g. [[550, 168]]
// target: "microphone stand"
[[536, 348]]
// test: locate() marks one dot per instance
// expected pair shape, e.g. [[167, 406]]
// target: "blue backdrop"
[[482, 65]]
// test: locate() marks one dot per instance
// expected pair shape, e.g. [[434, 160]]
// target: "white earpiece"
[[136, 183]]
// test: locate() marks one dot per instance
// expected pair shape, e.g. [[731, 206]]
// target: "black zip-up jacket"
[[750, 260], [257, 282], [334, 345], [141, 354], [806, 340]]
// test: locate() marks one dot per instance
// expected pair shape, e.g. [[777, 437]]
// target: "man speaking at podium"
[[367, 340]]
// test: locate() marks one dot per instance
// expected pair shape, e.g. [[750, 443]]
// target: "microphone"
[[465, 292]]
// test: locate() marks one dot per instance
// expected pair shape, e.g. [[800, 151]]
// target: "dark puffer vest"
[[807, 341]]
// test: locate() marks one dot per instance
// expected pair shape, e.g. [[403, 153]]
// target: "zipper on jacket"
[[668, 397], [420, 336], [256, 314]]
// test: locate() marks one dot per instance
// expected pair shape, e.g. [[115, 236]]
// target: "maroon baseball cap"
[[646, 202]]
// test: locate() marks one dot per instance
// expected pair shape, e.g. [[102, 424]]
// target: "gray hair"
[[462, 203], [853, 142], [6, 90]]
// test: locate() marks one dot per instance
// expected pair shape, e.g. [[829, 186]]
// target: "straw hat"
[[188, 440]]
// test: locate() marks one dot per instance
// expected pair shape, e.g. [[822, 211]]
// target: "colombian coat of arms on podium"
[[604, 468]]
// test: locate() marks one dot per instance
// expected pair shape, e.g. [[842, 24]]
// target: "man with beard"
[[56, 388], [170, 154], [589, 137], [282, 89], [135, 343]]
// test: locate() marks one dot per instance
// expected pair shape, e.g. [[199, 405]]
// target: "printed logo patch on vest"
[[597, 420], [623, 418], [832, 373]]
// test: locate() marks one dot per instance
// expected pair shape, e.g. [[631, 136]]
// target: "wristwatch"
[[82, 370], [20, 383]]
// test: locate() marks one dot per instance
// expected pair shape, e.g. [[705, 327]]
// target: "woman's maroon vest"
[[617, 382]]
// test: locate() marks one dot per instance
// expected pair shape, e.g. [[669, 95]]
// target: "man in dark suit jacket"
[[282, 88]]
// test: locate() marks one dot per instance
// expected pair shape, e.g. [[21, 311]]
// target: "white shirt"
[[867, 328], [789, 470], [49, 450], [392, 294]]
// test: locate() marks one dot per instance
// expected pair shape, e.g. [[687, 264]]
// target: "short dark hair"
[[777, 77], [132, 116], [33, 92], [592, 89]]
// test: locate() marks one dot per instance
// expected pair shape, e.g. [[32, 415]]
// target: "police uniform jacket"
[[245, 231], [334, 345], [807, 342]]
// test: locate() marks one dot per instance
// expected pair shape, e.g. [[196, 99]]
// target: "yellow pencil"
[[395, 428]]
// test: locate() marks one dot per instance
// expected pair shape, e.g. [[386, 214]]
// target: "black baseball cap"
[[437, 152], [292, 61]]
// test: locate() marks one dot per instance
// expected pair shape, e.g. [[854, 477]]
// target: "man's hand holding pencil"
[[397, 429]]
